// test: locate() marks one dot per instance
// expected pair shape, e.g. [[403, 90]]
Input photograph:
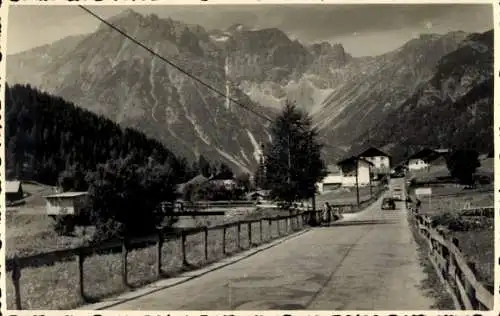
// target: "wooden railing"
[[292, 223], [454, 271]]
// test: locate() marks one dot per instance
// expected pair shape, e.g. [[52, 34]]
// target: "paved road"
[[367, 261]]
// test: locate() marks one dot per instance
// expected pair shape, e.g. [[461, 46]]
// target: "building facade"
[[422, 160], [380, 160], [349, 174], [332, 181], [67, 203]]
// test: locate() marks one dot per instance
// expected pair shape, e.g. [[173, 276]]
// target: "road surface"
[[367, 261]]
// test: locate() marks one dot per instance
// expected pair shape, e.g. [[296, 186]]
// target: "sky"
[[364, 30]]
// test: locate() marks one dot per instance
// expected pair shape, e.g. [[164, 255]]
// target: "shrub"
[[125, 197], [64, 225], [462, 165]]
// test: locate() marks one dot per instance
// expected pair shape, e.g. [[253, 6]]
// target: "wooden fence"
[[291, 223], [454, 271]]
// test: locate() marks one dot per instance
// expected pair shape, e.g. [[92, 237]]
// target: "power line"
[[173, 65], [210, 87]]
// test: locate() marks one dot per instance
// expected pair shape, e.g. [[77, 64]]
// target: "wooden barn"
[[13, 191]]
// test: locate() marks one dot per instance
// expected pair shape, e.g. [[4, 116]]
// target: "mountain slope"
[[370, 88], [453, 109], [110, 75]]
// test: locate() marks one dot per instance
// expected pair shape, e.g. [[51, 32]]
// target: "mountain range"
[[348, 98], [453, 109]]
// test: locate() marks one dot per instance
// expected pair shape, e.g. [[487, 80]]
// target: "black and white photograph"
[[256, 157]]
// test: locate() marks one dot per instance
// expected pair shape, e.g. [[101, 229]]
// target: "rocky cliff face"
[[367, 89], [453, 109], [112, 76]]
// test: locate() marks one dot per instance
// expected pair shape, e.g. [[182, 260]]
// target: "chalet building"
[[332, 181], [66, 203], [380, 160], [422, 160], [221, 180], [348, 168], [13, 191]]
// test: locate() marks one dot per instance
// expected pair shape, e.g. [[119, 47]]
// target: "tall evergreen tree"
[[294, 157]]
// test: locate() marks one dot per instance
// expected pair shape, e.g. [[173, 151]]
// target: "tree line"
[[126, 174]]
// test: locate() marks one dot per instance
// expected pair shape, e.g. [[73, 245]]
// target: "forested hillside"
[[45, 135], [454, 109]]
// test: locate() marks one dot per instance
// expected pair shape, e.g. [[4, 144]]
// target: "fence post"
[[16, 275], [249, 234], [270, 229], [239, 235], [124, 262], [469, 288], [286, 225], [260, 228], [224, 240], [81, 259], [159, 253], [206, 243], [183, 247], [278, 222]]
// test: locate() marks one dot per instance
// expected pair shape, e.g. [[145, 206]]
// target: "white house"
[[380, 160], [422, 160], [332, 180], [417, 164], [66, 203], [349, 174]]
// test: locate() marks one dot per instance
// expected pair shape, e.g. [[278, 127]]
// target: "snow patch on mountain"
[[233, 160], [257, 153]]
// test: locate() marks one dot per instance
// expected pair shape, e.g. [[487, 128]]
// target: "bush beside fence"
[[453, 269]]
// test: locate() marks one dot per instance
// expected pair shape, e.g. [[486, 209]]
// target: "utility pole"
[[357, 181], [309, 145], [289, 180], [370, 179]]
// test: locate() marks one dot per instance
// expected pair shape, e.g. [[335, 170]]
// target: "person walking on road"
[[327, 213]]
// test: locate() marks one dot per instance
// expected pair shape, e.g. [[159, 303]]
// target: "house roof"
[[442, 151], [65, 195], [352, 160], [198, 179], [12, 186], [373, 152], [428, 154]]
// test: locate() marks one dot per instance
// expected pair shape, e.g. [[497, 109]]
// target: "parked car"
[[397, 197], [388, 204]]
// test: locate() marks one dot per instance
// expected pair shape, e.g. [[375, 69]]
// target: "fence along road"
[[367, 261]]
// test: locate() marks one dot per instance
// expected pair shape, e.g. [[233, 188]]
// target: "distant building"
[[348, 167], [380, 160], [13, 191], [229, 183], [333, 179], [423, 159], [67, 203]]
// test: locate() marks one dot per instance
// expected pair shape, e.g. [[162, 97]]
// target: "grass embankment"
[[56, 287], [475, 233]]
